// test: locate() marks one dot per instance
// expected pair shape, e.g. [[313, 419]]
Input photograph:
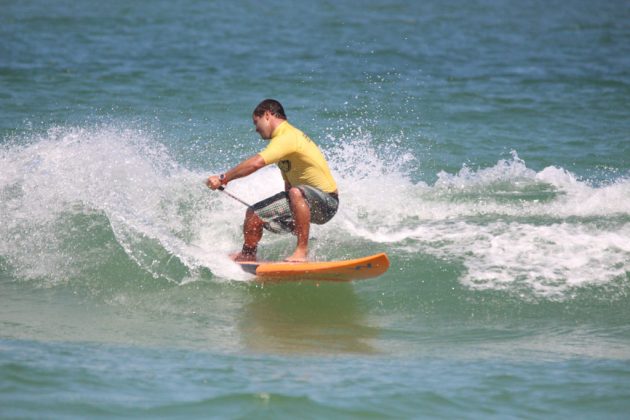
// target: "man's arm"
[[241, 170]]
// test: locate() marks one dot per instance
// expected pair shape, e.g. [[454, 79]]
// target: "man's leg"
[[252, 233], [302, 217]]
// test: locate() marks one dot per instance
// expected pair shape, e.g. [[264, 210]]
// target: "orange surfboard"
[[344, 270]]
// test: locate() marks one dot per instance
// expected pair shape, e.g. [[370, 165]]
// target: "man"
[[310, 194]]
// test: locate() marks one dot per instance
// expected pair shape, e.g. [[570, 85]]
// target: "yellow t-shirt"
[[299, 159]]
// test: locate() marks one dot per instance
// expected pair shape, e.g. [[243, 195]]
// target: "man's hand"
[[213, 182]]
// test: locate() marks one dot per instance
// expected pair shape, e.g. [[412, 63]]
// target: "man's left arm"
[[247, 167]]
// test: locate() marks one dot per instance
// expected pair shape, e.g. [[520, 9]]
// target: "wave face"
[[80, 201]]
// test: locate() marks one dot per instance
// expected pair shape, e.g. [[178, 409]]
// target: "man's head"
[[267, 116]]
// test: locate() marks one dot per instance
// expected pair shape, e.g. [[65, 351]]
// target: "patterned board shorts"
[[275, 211]]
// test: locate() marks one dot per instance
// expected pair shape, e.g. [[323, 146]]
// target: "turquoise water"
[[483, 145]]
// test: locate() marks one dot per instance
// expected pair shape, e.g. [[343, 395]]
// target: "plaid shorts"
[[275, 211]]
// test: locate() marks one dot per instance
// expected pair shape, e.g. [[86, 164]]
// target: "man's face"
[[263, 125]]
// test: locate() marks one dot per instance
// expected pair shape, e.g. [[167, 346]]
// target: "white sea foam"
[[121, 173], [543, 232], [512, 228]]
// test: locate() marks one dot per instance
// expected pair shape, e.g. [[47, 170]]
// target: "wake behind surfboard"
[[344, 270]]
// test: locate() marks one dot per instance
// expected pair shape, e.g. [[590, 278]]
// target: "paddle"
[[267, 220], [222, 189]]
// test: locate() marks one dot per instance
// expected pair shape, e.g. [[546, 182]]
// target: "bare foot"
[[298, 256], [241, 257]]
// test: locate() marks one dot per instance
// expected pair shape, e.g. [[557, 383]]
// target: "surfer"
[[310, 194]]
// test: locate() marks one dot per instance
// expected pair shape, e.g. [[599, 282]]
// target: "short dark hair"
[[272, 106]]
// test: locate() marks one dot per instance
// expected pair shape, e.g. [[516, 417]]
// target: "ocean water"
[[484, 145]]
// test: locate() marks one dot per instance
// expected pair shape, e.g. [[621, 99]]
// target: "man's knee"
[[296, 195], [252, 217]]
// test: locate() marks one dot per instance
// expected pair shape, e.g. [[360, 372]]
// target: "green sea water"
[[483, 145]]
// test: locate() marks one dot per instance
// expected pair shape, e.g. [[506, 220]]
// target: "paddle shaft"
[[223, 190], [229, 194]]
